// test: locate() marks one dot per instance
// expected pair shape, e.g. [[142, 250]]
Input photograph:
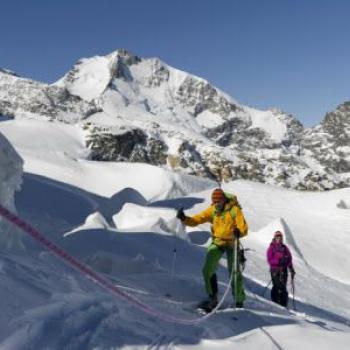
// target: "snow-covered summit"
[[123, 84], [90, 77], [177, 119]]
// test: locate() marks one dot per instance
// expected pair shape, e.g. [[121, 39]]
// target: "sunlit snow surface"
[[47, 305]]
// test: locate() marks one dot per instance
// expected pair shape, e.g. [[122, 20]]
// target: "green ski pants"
[[214, 254]]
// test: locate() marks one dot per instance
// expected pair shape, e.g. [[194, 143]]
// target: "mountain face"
[[25, 98], [329, 144], [142, 110]]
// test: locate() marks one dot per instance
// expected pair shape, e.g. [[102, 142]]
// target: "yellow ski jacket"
[[223, 223]]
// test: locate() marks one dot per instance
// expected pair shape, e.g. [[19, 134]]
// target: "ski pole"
[[173, 263], [265, 289], [172, 268], [293, 292], [235, 270]]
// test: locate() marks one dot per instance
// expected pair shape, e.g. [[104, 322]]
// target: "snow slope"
[[90, 209], [57, 151], [268, 121]]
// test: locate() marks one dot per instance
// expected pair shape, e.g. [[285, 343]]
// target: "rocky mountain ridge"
[[142, 110]]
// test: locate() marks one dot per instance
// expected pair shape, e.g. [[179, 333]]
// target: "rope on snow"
[[102, 282]]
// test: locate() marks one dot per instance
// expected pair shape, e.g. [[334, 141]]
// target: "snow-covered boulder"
[[11, 169]]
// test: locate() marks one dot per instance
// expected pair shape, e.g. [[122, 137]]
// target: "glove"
[[292, 273], [180, 214], [236, 233], [242, 258]]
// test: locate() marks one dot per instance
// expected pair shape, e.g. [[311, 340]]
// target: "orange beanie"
[[218, 195]]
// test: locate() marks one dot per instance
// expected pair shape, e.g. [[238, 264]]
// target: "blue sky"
[[292, 54]]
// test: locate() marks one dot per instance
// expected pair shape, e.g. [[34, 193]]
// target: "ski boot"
[[209, 304]]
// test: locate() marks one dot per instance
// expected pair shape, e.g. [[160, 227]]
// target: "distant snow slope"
[[95, 75], [269, 122], [57, 151]]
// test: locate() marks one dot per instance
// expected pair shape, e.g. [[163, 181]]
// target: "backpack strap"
[[232, 213], [213, 213], [233, 198]]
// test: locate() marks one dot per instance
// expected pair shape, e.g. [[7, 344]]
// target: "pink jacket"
[[279, 256]]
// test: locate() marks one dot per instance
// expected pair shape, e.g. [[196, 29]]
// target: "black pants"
[[214, 285], [279, 293]]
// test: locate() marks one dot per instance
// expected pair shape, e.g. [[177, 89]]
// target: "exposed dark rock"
[[198, 96], [24, 98], [132, 145]]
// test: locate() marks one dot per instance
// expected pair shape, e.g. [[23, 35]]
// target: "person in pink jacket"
[[279, 258]]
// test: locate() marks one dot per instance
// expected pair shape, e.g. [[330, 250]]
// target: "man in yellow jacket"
[[228, 224]]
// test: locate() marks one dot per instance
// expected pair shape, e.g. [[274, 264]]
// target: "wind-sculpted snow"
[[135, 218], [11, 169]]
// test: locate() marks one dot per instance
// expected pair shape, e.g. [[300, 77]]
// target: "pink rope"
[[89, 273]]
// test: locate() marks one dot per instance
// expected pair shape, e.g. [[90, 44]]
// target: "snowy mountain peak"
[[90, 77], [124, 79], [143, 110], [124, 56]]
